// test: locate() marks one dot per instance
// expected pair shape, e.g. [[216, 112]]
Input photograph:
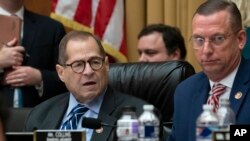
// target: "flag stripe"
[[67, 8], [115, 26], [84, 8], [53, 5], [103, 14], [95, 4], [102, 18], [123, 48]]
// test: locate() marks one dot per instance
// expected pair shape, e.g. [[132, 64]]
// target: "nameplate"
[[221, 136], [58, 135]]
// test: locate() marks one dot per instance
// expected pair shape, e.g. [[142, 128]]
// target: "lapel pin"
[[100, 130], [238, 95]]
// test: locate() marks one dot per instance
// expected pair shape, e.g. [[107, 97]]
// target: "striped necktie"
[[217, 90], [73, 117]]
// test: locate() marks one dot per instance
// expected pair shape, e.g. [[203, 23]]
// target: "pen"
[[26, 54]]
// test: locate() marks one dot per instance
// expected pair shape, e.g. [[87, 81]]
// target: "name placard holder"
[[221, 136], [59, 135]]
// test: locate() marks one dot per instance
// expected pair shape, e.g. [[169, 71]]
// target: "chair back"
[[153, 82], [16, 119]]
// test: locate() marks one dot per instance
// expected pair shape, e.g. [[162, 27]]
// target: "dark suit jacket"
[[49, 114], [41, 37], [192, 93]]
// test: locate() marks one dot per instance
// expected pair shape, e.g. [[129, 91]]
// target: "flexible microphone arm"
[[94, 123]]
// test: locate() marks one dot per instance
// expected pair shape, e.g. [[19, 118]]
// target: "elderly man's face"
[[89, 83]]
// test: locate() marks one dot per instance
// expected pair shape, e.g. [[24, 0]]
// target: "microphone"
[[168, 124], [34, 129], [94, 123]]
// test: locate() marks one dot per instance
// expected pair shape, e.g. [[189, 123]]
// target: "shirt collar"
[[228, 80], [19, 13], [94, 105]]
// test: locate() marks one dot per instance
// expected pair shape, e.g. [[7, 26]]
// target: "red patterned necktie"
[[217, 90]]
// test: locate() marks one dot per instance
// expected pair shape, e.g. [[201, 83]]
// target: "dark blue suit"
[[41, 37], [192, 93]]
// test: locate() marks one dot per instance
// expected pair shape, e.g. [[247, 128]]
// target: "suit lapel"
[[106, 133], [108, 106], [240, 87], [29, 30], [56, 113], [199, 98]]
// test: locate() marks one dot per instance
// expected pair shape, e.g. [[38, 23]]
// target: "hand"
[[23, 76], [11, 55]]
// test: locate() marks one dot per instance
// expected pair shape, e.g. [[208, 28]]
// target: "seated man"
[[159, 42], [83, 67], [217, 39]]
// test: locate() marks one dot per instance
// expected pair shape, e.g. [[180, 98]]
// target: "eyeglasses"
[[216, 40], [95, 63]]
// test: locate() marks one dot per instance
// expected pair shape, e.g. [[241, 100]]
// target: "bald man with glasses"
[[83, 67]]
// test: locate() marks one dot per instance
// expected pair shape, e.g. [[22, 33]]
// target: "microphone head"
[[91, 123]]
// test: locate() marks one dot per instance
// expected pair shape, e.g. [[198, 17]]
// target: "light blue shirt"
[[94, 108]]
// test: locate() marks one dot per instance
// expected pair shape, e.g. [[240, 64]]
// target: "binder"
[[10, 27]]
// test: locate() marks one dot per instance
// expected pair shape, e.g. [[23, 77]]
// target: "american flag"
[[104, 18]]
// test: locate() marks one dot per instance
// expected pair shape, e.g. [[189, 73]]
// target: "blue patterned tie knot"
[[74, 116]]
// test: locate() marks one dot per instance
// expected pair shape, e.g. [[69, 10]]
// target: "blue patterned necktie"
[[74, 116]]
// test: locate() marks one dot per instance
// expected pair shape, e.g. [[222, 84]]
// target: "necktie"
[[217, 90], [74, 116]]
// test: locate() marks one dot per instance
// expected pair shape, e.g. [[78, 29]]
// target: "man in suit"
[[83, 67], [40, 37], [159, 42], [10, 57], [218, 39]]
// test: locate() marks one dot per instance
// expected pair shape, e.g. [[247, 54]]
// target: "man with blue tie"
[[83, 67], [218, 40]]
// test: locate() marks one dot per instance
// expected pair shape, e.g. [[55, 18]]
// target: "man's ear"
[[60, 72], [106, 63], [242, 38], [176, 55]]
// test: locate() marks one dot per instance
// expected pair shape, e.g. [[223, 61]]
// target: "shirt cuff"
[[39, 89]]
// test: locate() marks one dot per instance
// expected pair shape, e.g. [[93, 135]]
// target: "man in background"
[[159, 42], [36, 76], [10, 56]]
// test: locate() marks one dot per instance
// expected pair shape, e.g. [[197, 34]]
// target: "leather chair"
[[16, 119], [152, 82]]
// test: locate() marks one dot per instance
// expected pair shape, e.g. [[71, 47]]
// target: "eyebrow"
[[92, 57]]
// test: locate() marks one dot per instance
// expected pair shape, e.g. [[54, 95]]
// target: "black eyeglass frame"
[[96, 63]]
